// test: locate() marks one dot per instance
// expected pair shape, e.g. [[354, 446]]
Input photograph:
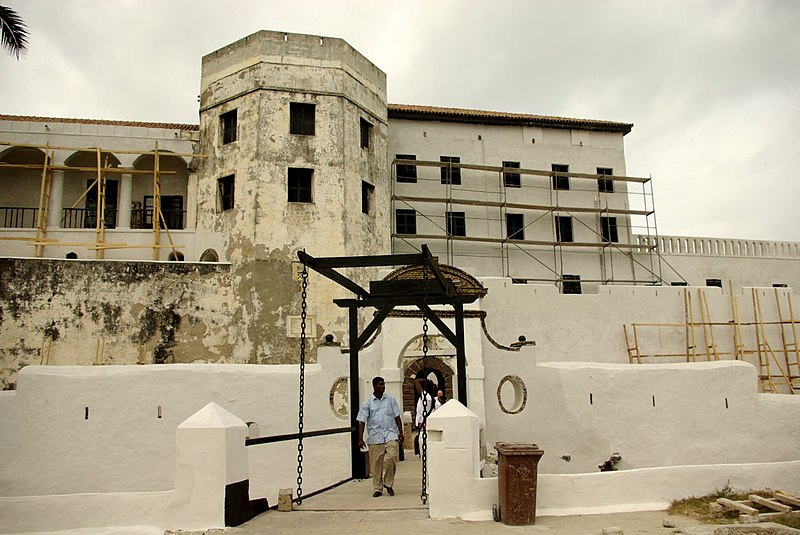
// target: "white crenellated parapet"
[[703, 246]]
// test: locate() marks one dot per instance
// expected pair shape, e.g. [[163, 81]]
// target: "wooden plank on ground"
[[771, 504], [785, 497], [746, 509]]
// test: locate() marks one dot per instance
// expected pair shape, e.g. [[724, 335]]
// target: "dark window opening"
[[225, 191], [367, 197], [110, 214], [406, 172], [406, 221], [571, 284], [72, 255], [608, 226], [301, 118], [456, 224], [171, 209], [300, 180], [175, 256], [679, 283], [450, 174], [227, 123], [519, 281], [510, 179], [714, 282], [780, 285], [560, 181], [515, 226], [605, 185], [366, 133], [563, 228]]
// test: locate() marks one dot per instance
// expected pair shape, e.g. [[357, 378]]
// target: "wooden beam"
[[771, 504], [520, 206], [521, 171], [115, 170], [91, 149], [523, 242], [746, 509], [785, 497]]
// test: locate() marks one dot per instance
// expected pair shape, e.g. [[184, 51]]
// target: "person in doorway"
[[380, 415], [426, 404], [440, 398]]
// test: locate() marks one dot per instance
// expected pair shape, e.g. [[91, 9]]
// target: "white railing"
[[689, 245]]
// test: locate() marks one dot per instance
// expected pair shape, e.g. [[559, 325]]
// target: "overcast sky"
[[712, 87]]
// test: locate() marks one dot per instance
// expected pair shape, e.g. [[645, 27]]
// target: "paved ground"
[[351, 508]]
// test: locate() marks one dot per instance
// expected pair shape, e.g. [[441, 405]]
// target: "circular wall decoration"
[[338, 398], [520, 393]]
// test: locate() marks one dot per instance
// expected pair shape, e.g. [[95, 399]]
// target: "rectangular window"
[[367, 197], [608, 225], [679, 283], [456, 224], [301, 118], [406, 221], [300, 182], [450, 174], [560, 181], [515, 226], [563, 228], [225, 191], [406, 172], [779, 285], [571, 284], [511, 179], [366, 133], [171, 209], [227, 124], [714, 282], [605, 185]]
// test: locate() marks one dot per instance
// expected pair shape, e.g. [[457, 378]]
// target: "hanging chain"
[[303, 314], [424, 493]]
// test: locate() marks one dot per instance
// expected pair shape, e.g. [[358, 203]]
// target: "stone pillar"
[[211, 476], [56, 200], [191, 202], [455, 488], [125, 187]]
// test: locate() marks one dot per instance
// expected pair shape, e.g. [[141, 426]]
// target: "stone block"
[[285, 500]]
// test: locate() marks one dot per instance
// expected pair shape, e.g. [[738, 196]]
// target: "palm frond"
[[13, 32]]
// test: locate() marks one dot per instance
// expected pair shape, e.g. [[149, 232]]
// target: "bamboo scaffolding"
[[40, 241], [776, 365]]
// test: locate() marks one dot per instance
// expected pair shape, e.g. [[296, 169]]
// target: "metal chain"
[[303, 314], [424, 493]]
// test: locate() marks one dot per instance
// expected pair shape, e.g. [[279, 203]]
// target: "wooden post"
[[44, 199], [156, 203]]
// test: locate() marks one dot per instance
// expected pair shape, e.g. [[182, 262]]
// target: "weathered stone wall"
[[105, 312]]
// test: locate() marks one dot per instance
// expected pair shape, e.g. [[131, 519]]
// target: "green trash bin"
[[517, 471]]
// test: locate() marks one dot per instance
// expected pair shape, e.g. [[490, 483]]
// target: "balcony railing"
[[85, 218], [686, 245]]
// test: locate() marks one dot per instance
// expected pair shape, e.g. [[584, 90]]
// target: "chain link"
[[425, 371], [303, 315]]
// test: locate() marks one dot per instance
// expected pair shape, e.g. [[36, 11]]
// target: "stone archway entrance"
[[437, 370]]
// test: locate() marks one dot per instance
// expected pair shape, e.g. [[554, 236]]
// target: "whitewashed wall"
[[50, 447]]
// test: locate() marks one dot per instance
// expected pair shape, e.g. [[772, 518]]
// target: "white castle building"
[[151, 243]]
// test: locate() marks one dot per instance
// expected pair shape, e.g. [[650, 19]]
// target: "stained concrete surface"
[[350, 508]]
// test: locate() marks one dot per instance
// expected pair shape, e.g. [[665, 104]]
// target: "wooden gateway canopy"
[[432, 289]]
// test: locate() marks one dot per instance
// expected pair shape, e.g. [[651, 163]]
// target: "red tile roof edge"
[[396, 110], [165, 126], [484, 116]]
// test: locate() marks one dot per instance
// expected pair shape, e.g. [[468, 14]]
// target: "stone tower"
[[294, 129]]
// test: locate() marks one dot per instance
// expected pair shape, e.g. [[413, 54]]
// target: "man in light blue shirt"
[[380, 415]]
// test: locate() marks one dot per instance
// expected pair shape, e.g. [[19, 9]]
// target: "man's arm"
[[361, 443], [399, 423]]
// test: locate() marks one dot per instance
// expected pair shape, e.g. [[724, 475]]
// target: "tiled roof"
[[165, 126], [406, 111]]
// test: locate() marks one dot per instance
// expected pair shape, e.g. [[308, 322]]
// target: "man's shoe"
[[389, 490], [378, 493]]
